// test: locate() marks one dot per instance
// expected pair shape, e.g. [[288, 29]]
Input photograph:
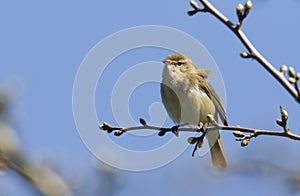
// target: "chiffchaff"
[[189, 98]]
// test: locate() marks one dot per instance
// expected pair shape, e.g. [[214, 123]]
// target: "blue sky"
[[44, 43]]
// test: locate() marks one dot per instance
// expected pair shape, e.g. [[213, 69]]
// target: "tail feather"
[[216, 149]]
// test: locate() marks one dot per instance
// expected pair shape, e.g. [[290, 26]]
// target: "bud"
[[248, 5], [161, 133], [103, 125], [244, 55], [142, 121], [106, 127], [291, 72], [118, 132], [279, 122], [238, 134], [239, 9], [210, 117], [292, 80], [192, 140], [200, 125], [284, 115], [298, 76], [194, 4], [192, 12], [283, 69], [245, 142]]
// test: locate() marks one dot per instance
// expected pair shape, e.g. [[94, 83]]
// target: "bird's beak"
[[166, 62]]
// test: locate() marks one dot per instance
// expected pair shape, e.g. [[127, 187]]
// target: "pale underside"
[[184, 102]]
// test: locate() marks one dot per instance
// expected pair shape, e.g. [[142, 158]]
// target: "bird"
[[189, 98]]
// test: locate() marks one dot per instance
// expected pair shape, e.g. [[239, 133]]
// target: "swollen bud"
[[118, 132], [283, 69], [192, 12], [238, 134], [142, 121], [244, 55], [245, 142], [279, 122], [194, 4], [103, 125], [210, 117], [284, 115], [200, 125], [239, 9], [291, 72], [292, 80], [248, 5], [161, 133], [298, 76]]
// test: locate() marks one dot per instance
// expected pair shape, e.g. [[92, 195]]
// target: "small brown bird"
[[189, 98]]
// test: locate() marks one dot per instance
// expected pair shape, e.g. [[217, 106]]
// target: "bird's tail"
[[216, 149]]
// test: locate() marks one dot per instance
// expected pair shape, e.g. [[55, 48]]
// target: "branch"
[[12, 158], [41, 177], [239, 132], [162, 131], [242, 13]]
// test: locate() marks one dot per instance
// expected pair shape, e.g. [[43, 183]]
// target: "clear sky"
[[43, 44]]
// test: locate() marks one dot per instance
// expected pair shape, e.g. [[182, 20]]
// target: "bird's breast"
[[185, 102]]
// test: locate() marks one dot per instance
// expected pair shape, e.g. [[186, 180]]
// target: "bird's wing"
[[211, 93], [203, 72]]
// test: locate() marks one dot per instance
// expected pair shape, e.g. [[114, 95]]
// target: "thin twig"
[[212, 124], [255, 132], [208, 7], [238, 132], [34, 176], [258, 132], [162, 130]]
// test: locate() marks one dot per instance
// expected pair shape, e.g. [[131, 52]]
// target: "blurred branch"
[[238, 132], [242, 12], [46, 181]]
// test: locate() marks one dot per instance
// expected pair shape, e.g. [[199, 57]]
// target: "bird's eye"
[[180, 63]]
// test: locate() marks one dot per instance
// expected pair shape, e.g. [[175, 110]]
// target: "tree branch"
[[12, 157], [242, 12], [242, 134], [254, 132]]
